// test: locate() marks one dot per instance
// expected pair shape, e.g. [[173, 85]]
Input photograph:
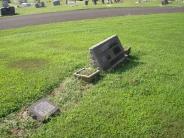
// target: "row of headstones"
[[102, 1], [105, 55], [37, 4]]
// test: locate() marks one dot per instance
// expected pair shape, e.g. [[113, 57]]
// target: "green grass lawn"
[[80, 5], [144, 98]]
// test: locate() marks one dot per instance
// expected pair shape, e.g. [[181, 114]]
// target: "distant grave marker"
[[86, 2], [71, 3], [43, 109], [164, 2], [56, 2], [39, 4], [94, 2], [26, 5], [6, 9], [108, 53], [5, 3], [22, 1]]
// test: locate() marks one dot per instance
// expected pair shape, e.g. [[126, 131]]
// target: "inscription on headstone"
[[108, 53], [43, 109]]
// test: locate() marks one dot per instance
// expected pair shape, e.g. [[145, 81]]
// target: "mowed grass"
[[80, 5], [144, 98]]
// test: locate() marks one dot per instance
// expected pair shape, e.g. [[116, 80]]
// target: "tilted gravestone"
[[43, 109], [6, 9], [108, 53]]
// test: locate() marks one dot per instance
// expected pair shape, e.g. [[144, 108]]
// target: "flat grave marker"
[[42, 110]]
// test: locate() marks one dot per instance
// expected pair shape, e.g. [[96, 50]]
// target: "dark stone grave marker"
[[164, 2], [108, 53], [6, 9], [86, 2], [56, 2], [43, 109], [40, 5]]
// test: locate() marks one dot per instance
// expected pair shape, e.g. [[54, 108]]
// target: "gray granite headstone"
[[43, 109], [108, 53]]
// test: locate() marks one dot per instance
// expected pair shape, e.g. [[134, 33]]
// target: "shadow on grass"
[[27, 64], [97, 79], [131, 63], [3, 56]]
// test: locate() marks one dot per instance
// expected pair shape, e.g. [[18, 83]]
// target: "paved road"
[[20, 21]]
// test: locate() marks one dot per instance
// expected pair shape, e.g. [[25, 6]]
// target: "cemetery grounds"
[[142, 98], [80, 5]]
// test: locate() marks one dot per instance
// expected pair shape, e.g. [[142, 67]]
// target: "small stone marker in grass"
[[43, 109], [108, 53], [87, 74]]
